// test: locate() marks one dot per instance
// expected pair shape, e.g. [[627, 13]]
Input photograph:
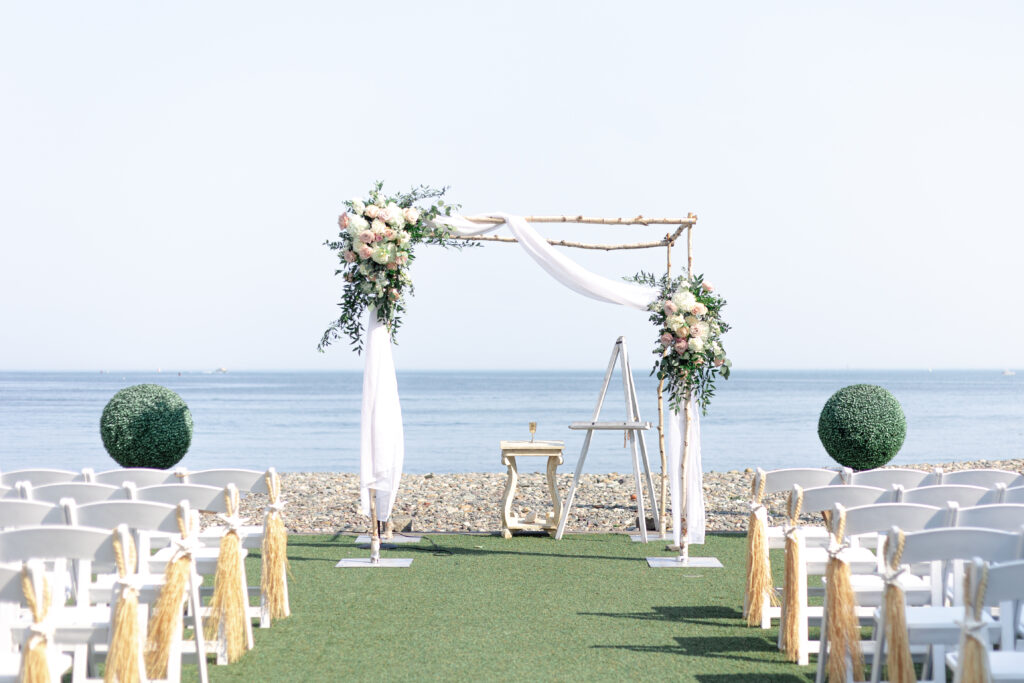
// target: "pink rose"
[[706, 286], [366, 237], [670, 307], [699, 360], [392, 266], [350, 256], [412, 215], [402, 258], [389, 233], [393, 294], [365, 252], [666, 339], [372, 211], [681, 345], [719, 362], [699, 309], [343, 220], [683, 331]]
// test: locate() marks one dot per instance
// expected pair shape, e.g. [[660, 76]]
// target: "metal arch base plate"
[[693, 562], [364, 563]]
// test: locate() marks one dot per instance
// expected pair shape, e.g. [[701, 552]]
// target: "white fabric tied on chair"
[[184, 546], [232, 522], [274, 507]]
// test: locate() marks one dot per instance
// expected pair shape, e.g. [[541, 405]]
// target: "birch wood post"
[[374, 529], [661, 418], [684, 546]]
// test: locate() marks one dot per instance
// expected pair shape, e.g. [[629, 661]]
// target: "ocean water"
[[309, 421]]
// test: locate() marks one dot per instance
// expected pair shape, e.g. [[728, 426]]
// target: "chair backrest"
[[56, 542], [941, 495], [887, 477], [955, 543], [199, 497], [1005, 580], [15, 513], [785, 479], [246, 480], [986, 477], [1014, 495], [880, 518], [80, 492], [140, 476], [825, 497], [138, 515], [1006, 517], [10, 584], [38, 477]]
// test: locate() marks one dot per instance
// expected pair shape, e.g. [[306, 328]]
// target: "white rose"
[[412, 214], [699, 329], [685, 300], [358, 206], [356, 224], [691, 320], [674, 322], [696, 344]]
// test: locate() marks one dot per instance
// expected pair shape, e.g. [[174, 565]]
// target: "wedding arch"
[[378, 234]]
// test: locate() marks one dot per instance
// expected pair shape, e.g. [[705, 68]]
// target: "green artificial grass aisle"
[[529, 608]]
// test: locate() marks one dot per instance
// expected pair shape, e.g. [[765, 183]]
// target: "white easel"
[[634, 431]]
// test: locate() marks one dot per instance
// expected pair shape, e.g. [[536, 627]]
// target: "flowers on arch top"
[[375, 244], [689, 351]]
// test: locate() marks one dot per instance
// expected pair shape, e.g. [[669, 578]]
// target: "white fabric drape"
[[694, 473], [381, 436]]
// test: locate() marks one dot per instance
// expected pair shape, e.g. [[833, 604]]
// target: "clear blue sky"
[[168, 172]]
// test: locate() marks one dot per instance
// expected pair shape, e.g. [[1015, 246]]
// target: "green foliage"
[[146, 425], [862, 426]]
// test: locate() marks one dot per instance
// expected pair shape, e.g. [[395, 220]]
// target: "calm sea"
[[309, 421]]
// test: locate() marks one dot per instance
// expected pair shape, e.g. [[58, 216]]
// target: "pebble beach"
[[327, 503]]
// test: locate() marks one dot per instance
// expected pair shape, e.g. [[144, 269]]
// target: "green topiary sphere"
[[146, 425], [862, 426]]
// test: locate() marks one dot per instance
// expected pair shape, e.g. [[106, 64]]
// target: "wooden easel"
[[634, 432]]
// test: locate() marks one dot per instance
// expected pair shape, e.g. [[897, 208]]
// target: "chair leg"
[[879, 655], [819, 675]]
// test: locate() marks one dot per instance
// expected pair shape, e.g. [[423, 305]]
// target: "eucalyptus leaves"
[[375, 248]]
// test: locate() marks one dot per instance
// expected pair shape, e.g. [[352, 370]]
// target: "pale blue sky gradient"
[[168, 172]]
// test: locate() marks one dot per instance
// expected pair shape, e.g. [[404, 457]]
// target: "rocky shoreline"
[[325, 502]]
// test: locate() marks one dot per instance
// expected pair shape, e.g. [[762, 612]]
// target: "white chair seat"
[[1004, 665], [869, 589], [251, 535], [939, 625], [861, 560], [813, 536]]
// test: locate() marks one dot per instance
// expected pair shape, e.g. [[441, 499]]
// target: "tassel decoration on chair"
[[165, 623], [759, 569], [123, 658], [35, 662], [843, 625], [274, 578], [790, 626], [897, 651], [230, 595], [974, 664]]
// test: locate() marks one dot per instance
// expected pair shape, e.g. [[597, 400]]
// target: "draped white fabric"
[[382, 447], [694, 474], [381, 437]]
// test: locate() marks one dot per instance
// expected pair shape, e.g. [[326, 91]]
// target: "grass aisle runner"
[[530, 608]]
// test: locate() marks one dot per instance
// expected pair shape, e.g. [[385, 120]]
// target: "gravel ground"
[[324, 502]]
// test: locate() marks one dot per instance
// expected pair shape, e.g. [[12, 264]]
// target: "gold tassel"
[[897, 651], [843, 625], [759, 568], [123, 657], [35, 662], [165, 623], [273, 581], [790, 626], [230, 595], [974, 665]]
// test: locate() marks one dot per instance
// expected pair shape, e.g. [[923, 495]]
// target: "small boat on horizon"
[[1008, 373]]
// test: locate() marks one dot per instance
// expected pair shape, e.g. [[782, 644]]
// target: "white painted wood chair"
[[1003, 587], [813, 560], [888, 477], [17, 512], [13, 613], [987, 478], [139, 476], [80, 492], [931, 626], [868, 587], [1005, 516], [941, 495], [40, 476]]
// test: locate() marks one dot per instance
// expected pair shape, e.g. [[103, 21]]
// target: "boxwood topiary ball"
[[862, 426], [146, 425]]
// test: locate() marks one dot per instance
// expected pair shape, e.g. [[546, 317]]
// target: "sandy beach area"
[[324, 502]]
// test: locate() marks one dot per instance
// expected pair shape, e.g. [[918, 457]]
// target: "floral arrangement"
[[375, 248], [689, 351]]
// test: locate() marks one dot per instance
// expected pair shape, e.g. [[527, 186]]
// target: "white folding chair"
[[17, 512], [890, 476], [935, 626], [1005, 517], [80, 492], [987, 478], [1013, 495], [1003, 585], [13, 613], [813, 560], [40, 476], [140, 476], [942, 494]]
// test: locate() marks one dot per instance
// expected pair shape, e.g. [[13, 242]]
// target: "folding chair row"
[[990, 585]]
